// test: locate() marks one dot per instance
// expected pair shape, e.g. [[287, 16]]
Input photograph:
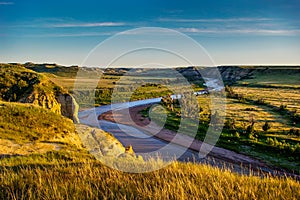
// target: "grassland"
[[290, 98], [268, 97], [96, 86], [60, 178], [274, 77], [70, 172], [259, 100], [26, 128]]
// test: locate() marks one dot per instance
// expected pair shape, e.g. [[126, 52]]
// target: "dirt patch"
[[8, 147]]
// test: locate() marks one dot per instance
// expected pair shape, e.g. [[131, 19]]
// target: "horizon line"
[[174, 66]]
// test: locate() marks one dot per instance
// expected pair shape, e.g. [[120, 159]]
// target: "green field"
[[248, 109], [275, 77], [133, 85], [52, 163], [268, 94]]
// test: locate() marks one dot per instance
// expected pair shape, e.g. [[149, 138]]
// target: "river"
[[149, 146]]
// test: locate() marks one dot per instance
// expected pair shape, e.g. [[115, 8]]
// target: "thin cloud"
[[63, 35], [213, 20], [146, 31], [78, 25], [277, 32], [6, 3]]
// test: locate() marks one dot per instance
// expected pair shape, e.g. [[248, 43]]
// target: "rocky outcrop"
[[43, 100], [190, 73], [233, 73], [229, 74], [60, 103], [18, 84], [103, 145], [69, 107]]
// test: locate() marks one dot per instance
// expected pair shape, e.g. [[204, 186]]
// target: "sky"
[[232, 32]]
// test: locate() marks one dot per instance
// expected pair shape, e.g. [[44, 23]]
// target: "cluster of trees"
[[15, 81], [103, 96], [294, 131], [248, 130], [283, 145], [186, 106], [231, 94]]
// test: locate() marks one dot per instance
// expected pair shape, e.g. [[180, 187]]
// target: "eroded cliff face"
[[68, 106], [106, 148], [229, 74], [43, 100], [60, 103], [232, 73]]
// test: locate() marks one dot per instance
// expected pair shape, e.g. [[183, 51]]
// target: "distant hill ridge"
[[229, 74]]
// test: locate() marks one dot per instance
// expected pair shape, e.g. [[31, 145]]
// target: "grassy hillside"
[[60, 179], [274, 77], [16, 81], [43, 157], [19, 84], [26, 129]]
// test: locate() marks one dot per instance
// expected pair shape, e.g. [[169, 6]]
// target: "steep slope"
[[18, 84], [26, 128], [33, 113]]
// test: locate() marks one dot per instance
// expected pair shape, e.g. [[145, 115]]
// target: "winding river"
[[142, 142], [148, 146]]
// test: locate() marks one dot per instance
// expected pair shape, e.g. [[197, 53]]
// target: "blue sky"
[[233, 32]]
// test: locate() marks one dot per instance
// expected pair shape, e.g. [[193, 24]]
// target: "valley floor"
[[219, 155]]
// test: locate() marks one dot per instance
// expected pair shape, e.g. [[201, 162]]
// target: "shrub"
[[296, 118], [250, 109], [270, 141], [266, 126], [260, 101], [230, 124], [282, 108], [250, 130], [236, 134], [294, 131], [229, 91]]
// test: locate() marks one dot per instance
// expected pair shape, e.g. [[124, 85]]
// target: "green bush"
[[266, 126]]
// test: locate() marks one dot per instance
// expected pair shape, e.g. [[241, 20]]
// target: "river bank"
[[138, 121]]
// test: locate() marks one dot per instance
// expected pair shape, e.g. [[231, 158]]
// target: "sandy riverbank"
[[140, 122]]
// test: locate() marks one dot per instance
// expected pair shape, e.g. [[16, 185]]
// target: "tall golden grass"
[[92, 180]]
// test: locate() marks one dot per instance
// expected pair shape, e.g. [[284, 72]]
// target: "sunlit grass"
[[26, 128], [92, 180], [276, 97]]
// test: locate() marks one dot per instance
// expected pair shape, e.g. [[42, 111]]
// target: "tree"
[[230, 124], [168, 102], [229, 91], [250, 128], [266, 126]]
